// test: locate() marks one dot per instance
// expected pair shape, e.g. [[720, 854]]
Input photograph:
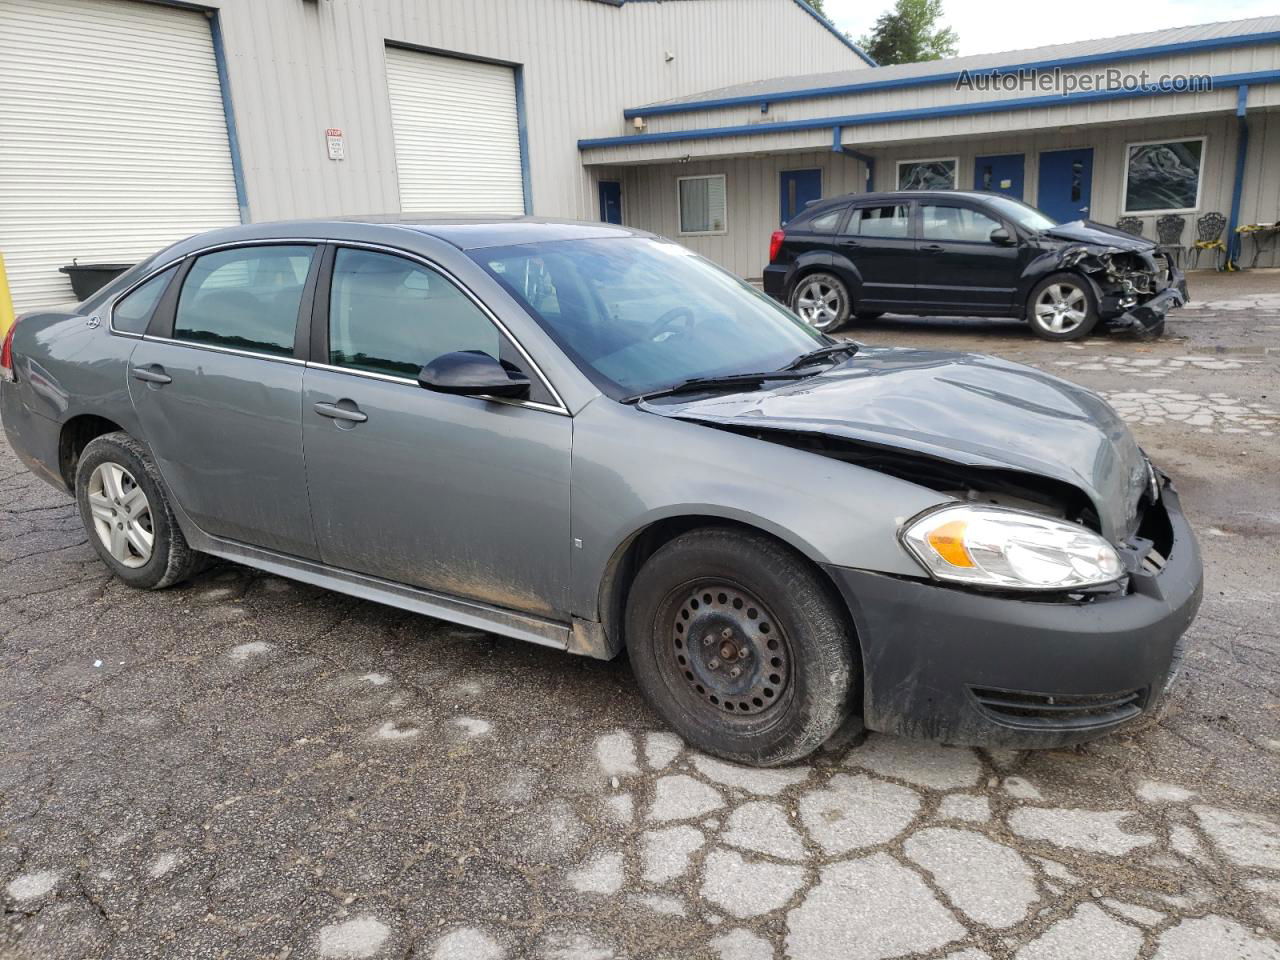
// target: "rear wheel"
[[1062, 307], [822, 301], [737, 643], [127, 515]]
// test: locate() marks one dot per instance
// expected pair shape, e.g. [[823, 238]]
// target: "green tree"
[[817, 5], [910, 32]]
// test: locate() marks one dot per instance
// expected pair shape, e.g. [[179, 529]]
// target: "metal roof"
[[1135, 44]]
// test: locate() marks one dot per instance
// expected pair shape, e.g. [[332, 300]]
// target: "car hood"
[[967, 409], [1086, 231]]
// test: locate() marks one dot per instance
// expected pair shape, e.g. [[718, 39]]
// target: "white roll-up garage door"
[[457, 134], [113, 139]]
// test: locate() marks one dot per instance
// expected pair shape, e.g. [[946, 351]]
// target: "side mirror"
[[1001, 236], [472, 373]]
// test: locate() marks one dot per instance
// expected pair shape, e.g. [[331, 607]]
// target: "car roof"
[[462, 231]]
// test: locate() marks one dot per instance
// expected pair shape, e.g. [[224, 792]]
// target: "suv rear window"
[[824, 222]]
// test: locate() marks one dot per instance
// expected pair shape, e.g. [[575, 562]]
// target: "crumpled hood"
[[964, 408], [1082, 231]]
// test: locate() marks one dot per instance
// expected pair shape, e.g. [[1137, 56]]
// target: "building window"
[[702, 201], [927, 174], [1163, 176]]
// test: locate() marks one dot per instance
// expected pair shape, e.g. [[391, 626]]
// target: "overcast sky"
[[986, 27]]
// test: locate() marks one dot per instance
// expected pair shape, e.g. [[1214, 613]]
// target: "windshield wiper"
[[830, 350], [699, 384]]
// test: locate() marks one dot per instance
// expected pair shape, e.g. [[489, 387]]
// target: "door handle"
[[350, 414], [932, 248], [152, 373]]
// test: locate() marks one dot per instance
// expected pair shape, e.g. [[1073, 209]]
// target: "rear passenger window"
[[890, 220], [132, 313], [245, 299], [827, 222], [391, 315]]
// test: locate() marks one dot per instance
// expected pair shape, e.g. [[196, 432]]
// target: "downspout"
[[868, 161], [1242, 149], [233, 139]]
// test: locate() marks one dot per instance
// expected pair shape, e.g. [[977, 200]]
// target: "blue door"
[[1066, 184], [999, 174], [799, 188], [611, 201]]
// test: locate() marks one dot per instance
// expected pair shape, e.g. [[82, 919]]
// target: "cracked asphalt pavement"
[[245, 767]]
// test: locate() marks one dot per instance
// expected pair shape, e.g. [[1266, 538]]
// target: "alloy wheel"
[[121, 515], [1061, 307], [818, 303], [729, 649]]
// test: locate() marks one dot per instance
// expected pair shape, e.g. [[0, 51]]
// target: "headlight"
[[1000, 547]]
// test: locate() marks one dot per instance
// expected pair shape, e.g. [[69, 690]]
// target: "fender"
[[830, 260]]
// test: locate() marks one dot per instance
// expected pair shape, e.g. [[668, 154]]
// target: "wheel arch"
[[630, 555], [825, 261], [76, 434]]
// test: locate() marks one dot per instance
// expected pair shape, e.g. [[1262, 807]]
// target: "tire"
[[116, 473], [768, 615], [868, 314], [1062, 306], [822, 301]]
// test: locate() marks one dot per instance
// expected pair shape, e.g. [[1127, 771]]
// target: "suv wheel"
[[822, 301], [1062, 307], [741, 648], [126, 513]]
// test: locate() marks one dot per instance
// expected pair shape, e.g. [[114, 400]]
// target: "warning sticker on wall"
[[337, 144]]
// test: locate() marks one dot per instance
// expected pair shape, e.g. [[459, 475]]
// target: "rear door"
[[878, 240], [217, 386], [462, 495], [961, 269]]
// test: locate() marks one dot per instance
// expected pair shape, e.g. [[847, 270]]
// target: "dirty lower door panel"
[[455, 494]]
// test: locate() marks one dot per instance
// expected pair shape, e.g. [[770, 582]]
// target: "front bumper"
[[965, 667], [1146, 320]]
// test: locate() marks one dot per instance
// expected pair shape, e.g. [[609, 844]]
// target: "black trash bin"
[[88, 278]]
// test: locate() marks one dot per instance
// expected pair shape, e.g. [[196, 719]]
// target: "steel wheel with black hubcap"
[[739, 645], [1062, 307], [822, 301]]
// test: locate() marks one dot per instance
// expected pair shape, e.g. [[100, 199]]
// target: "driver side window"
[[394, 316]]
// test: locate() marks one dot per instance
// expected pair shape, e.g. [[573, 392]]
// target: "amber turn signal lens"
[[948, 541]]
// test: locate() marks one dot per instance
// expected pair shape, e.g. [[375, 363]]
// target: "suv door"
[[461, 495], [218, 390], [961, 269], [877, 239]]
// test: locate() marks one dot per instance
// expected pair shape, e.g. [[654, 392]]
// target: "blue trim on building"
[[866, 58], [934, 79], [917, 113], [233, 139], [1242, 150], [522, 129]]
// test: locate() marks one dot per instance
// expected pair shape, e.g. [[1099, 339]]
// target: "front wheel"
[[822, 301], [740, 646], [1062, 307], [127, 515]]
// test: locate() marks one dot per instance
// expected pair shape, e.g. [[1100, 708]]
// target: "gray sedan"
[[588, 437]]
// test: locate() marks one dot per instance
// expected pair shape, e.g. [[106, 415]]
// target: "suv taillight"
[[775, 245], [6, 354]]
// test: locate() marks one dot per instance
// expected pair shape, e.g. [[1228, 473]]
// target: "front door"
[[611, 201], [878, 240], [1066, 184], [1001, 174], [961, 269], [799, 189], [218, 389], [460, 495]]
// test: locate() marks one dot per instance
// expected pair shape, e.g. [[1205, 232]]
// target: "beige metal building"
[[1146, 147], [128, 124]]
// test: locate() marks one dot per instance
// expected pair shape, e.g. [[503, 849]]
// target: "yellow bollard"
[[6, 301]]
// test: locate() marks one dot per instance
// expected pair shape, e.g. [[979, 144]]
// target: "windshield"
[[1025, 216], [637, 315]]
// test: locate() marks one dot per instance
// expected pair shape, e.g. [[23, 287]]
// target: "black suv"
[[952, 253]]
